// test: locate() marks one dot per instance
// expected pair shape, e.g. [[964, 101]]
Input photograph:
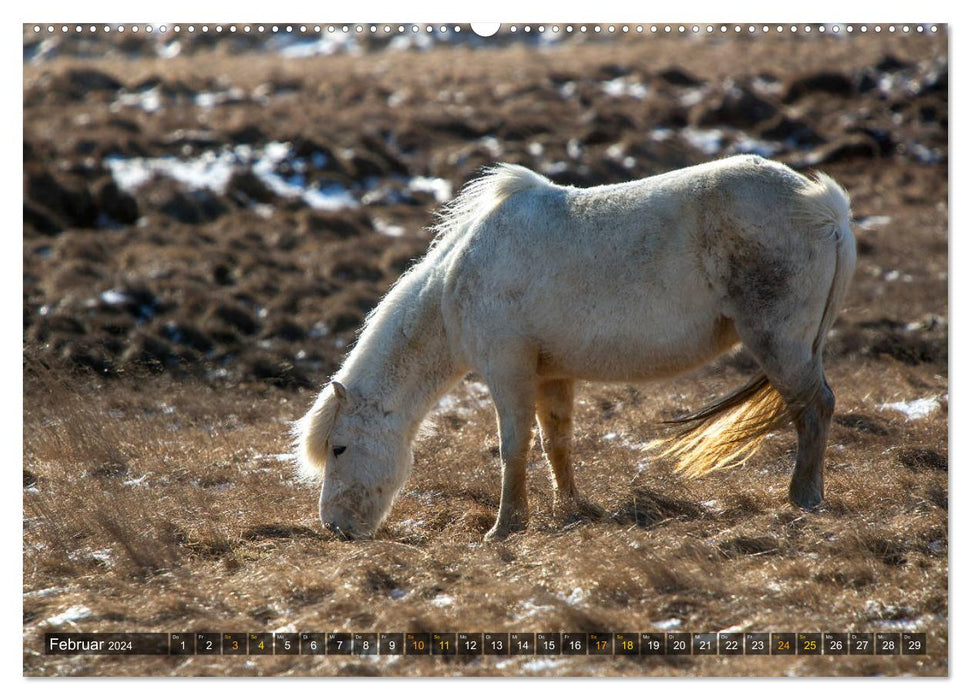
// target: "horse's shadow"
[[648, 509]]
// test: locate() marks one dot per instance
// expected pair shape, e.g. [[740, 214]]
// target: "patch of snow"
[[624, 87], [405, 42], [292, 45], [48, 48], [878, 611], [897, 625], [72, 614], [924, 154], [530, 608], [708, 141], [914, 410], [208, 100], [634, 446], [212, 170], [410, 522], [46, 592], [149, 101], [478, 388], [661, 133], [868, 223], [105, 556], [568, 89], [438, 187], [616, 151], [575, 597], [449, 402], [264, 211], [330, 198], [747, 144], [693, 96], [669, 624], [766, 86], [491, 144], [476, 397], [169, 50], [392, 230], [542, 664]]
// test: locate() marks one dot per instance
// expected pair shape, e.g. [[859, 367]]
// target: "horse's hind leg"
[[812, 426], [554, 410], [796, 372], [514, 397]]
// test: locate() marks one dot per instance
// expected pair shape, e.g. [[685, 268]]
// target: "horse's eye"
[[339, 450]]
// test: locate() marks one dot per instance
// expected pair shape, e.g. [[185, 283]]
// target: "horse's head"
[[366, 460]]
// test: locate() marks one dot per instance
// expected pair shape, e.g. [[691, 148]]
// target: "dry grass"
[[160, 506]]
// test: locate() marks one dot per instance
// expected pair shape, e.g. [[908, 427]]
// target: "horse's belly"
[[635, 352]]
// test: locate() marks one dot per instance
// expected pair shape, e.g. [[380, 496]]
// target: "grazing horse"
[[535, 286]]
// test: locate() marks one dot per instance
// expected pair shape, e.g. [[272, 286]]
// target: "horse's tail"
[[483, 194], [727, 432], [312, 435]]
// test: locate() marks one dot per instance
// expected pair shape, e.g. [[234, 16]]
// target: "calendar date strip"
[[488, 643]]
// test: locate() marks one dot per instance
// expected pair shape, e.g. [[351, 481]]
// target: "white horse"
[[535, 286]]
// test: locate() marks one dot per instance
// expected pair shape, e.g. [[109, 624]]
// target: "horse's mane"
[[312, 435], [479, 197]]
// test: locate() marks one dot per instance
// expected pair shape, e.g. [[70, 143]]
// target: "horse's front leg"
[[514, 397]]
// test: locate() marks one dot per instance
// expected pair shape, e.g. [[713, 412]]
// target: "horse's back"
[[622, 281]]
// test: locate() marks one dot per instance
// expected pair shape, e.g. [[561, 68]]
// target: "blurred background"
[[228, 205]]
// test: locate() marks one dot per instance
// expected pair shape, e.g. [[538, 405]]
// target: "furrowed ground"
[[175, 326]]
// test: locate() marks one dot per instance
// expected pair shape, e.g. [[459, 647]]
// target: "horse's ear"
[[342, 394]]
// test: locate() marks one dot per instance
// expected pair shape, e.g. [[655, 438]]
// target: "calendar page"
[[450, 349]]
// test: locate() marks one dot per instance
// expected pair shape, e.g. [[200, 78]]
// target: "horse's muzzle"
[[344, 534]]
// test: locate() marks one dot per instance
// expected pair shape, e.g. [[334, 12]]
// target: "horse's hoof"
[[806, 501], [501, 532], [496, 535], [344, 534]]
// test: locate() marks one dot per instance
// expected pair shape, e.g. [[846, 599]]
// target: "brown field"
[[172, 333]]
